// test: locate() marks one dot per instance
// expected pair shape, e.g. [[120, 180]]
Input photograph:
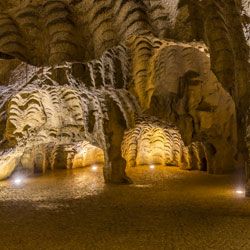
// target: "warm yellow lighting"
[[83, 151], [240, 191], [17, 181], [152, 166], [94, 168]]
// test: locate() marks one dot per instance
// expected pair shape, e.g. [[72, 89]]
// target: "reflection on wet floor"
[[80, 183], [58, 185], [165, 208]]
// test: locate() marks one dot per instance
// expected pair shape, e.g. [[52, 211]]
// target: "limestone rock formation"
[[77, 74], [220, 24], [50, 110], [177, 85], [47, 120], [48, 32], [88, 155], [246, 23], [153, 142]]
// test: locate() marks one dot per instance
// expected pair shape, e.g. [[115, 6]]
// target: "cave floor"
[[165, 208]]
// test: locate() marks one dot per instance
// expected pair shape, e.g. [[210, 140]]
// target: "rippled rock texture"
[[49, 125], [82, 74], [49, 32], [51, 111]]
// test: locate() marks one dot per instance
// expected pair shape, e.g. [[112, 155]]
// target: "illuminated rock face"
[[47, 122], [50, 127], [52, 111], [174, 82], [154, 142], [150, 142], [87, 156], [49, 32]]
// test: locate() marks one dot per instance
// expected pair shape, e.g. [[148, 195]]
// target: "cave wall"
[[223, 26], [48, 113], [174, 81], [48, 32], [185, 62]]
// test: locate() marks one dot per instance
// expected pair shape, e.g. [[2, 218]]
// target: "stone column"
[[114, 131]]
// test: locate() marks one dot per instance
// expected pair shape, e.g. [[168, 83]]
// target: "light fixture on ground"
[[18, 181], [240, 191], [152, 166], [94, 167]]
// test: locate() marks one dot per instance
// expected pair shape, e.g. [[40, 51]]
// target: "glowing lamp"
[[17, 181], [152, 166], [239, 191], [94, 168]]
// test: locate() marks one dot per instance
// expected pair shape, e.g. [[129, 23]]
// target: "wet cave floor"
[[165, 208]]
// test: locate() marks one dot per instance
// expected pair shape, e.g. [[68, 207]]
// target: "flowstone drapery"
[[48, 124], [154, 142], [51, 112], [75, 72], [48, 121]]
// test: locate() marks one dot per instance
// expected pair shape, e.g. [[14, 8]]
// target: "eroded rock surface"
[[50, 112], [76, 72], [48, 120], [49, 32]]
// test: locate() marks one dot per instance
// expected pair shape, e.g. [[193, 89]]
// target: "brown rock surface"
[[130, 67]]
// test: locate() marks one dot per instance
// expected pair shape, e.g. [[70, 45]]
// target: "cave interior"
[[122, 84]]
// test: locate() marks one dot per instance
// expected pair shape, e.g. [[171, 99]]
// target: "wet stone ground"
[[165, 208]]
